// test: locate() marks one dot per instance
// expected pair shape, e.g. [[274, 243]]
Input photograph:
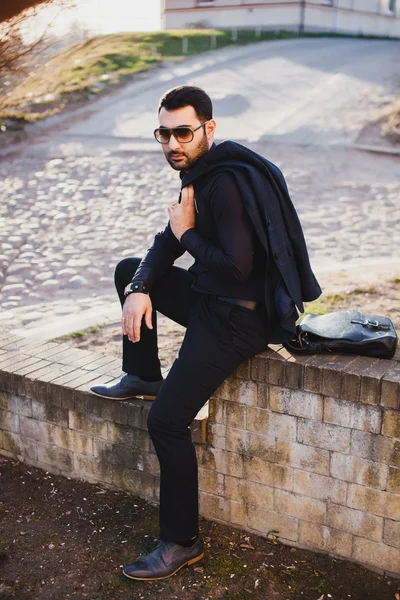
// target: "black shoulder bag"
[[347, 331]]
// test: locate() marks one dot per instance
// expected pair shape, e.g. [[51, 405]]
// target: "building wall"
[[366, 17]]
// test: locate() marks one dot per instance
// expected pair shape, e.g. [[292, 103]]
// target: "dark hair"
[[188, 95]]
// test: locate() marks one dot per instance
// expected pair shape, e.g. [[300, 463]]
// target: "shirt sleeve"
[[159, 258], [234, 253]]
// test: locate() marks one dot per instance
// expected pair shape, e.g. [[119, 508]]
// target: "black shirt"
[[229, 261]]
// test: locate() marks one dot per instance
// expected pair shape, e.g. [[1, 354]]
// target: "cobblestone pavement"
[[66, 222]]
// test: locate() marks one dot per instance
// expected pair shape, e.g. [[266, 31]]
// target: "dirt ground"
[[63, 538]]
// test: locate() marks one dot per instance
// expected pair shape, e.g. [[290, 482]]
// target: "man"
[[250, 270]]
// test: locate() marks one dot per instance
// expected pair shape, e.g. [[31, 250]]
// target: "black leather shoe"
[[165, 561], [129, 386]]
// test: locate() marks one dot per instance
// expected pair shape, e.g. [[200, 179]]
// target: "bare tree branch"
[[13, 49]]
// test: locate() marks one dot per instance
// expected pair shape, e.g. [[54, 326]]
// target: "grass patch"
[[77, 335], [338, 301], [391, 126]]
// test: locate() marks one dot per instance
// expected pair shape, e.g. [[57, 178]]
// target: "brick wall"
[[306, 446]]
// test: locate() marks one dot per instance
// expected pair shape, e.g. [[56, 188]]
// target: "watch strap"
[[136, 287]]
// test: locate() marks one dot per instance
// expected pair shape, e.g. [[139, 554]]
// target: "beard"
[[183, 161]]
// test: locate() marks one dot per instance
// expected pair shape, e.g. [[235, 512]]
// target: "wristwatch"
[[136, 287]]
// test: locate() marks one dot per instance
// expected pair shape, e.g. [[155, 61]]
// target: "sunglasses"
[[183, 134]]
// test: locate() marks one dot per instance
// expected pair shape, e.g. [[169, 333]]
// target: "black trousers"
[[219, 336]]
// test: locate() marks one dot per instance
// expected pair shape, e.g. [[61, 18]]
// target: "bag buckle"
[[368, 323]]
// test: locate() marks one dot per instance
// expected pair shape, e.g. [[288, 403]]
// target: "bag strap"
[[302, 345], [375, 324]]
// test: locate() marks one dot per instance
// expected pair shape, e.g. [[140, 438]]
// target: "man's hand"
[[182, 216], [136, 306]]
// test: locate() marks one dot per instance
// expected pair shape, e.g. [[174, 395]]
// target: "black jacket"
[[289, 280]]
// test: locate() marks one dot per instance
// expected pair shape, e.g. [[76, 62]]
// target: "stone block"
[[395, 456], [20, 405], [371, 381], [263, 395], [320, 537], [377, 555], [355, 522], [250, 444], [140, 484], [198, 429], [237, 513], [12, 442], [373, 501], [72, 440], [214, 507], [374, 447], [332, 374], [90, 424], [313, 372], [249, 492], [37, 430], [323, 435], [268, 473], [263, 521], [271, 424], [394, 481], [215, 459], [390, 388], [358, 470], [89, 467], [234, 415], [9, 421], [259, 368], [391, 423], [243, 370], [351, 377], [55, 456], [216, 436], [137, 413], [309, 509], [216, 409], [50, 413], [296, 402], [110, 410], [391, 533], [239, 390], [319, 486], [353, 415], [276, 375], [4, 397], [211, 482], [128, 436], [294, 371], [302, 457]]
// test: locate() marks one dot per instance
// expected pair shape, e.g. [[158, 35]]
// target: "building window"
[[392, 6]]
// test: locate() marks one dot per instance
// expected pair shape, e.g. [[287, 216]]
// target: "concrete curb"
[[375, 149]]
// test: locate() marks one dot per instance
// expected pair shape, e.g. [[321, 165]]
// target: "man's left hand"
[[182, 215]]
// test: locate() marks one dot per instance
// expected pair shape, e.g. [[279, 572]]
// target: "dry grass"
[[391, 126]]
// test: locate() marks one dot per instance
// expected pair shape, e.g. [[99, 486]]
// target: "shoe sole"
[[189, 562], [141, 396]]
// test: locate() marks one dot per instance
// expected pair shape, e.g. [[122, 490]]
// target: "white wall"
[[367, 17]]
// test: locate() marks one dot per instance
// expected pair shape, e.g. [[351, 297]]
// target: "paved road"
[[318, 91], [94, 187]]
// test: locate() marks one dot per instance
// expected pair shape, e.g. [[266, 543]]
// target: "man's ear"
[[210, 128]]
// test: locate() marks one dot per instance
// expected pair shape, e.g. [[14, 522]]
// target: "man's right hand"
[[136, 306]]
